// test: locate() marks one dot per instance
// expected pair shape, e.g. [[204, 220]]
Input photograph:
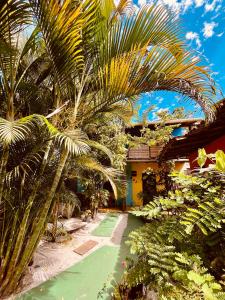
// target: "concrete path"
[[93, 277]]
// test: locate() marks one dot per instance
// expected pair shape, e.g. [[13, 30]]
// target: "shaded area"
[[106, 227], [84, 280], [133, 223], [94, 275]]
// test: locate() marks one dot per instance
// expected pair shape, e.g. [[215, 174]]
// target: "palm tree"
[[91, 57]]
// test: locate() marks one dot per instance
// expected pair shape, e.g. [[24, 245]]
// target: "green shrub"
[[180, 251]]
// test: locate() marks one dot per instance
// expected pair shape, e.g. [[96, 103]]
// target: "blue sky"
[[203, 23]]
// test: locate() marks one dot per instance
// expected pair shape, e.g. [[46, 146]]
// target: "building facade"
[[146, 175], [210, 136], [139, 162]]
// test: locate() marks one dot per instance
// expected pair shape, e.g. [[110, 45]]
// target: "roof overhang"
[[197, 138]]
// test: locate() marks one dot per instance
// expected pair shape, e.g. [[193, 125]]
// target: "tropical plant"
[[25, 200], [162, 132], [84, 58], [65, 204], [109, 130], [93, 190], [181, 248]]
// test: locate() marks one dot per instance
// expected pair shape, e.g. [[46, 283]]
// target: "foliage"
[[162, 132], [68, 203], [111, 134], [181, 248], [95, 193], [99, 199], [84, 59], [60, 235], [86, 215]]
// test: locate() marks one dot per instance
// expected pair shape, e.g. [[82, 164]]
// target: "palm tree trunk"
[[11, 258], [55, 220], [37, 230], [10, 109], [4, 160]]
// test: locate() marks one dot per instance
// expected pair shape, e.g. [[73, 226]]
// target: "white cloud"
[[215, 16], [199, 3], [173, 4], [116, 2], [159, 99], [163, 110], [220, 34], [215, 73], [193, 36], [142, 2], [208, 30], [178, 6], [187, 4], [218, 8], [181, 6], [211, 6]]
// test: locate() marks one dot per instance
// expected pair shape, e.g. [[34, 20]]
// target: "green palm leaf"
[[143, 53], [14, 15], [89, 163], [102, 148], [11, 132], [25, 169], [152, 25], [75, 142], [61, 25]]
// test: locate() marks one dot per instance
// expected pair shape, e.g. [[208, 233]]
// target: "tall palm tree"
[[94, 57]]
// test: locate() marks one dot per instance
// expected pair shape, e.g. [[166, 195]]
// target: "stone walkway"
[[82, 277]]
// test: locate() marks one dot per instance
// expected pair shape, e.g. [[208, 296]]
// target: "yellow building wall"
[[140, 167]]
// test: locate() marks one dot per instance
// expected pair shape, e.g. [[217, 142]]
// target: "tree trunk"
[[4, 160], [55, 220], [18, 235], [37, 230]]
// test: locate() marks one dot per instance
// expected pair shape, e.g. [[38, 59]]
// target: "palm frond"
[[152, 25], [14, 15], [16, 131], [143, 53], [75, 142], [107, 8], [124, 7], [25, 169], [11, 132], [102, 148], [61, 25], [89, 163], [135, 73], [180, 73], [32, 43]]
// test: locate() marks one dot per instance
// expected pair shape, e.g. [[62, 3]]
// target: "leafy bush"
[[69, 204], [180, 251]]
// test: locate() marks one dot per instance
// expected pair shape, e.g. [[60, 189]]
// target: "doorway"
[[148, 186]]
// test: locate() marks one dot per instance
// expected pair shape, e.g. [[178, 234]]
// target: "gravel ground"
[[52, 258]]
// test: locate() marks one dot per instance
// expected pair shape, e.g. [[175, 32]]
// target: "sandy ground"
[[53, 258]]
